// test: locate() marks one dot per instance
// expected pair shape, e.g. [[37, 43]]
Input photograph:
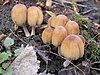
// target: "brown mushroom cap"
[[52, 21], [58, 36], [18, 14], [40, 16], [47, 35], [72, 47], [82, 38], [32, 15], [59, 20], [72, 27]]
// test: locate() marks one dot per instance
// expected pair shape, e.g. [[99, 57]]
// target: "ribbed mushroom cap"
[[40, 16], [52, 21], [72, 47], [82, 38], [47, 35], [72, 27], [58, 36], [18, 14], [59, 20], [32, 15]]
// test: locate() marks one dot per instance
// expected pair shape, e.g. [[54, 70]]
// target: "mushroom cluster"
[[64, 33], [20, 14]]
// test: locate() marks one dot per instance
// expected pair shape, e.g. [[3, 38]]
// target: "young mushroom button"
[[18, 15]]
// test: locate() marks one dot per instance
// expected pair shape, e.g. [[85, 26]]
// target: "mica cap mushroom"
[[18, 15], [59, 20], [72, 47], [47, 35], [58, 35], [35, 17], [72, 27]]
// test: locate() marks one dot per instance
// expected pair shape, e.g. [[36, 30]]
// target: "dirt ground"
[[91, 10]]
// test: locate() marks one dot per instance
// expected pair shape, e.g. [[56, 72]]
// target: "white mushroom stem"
[[15, 27], [33, 31], [27, 34]]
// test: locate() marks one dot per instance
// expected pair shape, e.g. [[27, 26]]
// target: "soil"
[[54, 66]]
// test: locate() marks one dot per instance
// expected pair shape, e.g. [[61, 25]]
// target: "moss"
[[95, 51], [81, 20], [93, 47]]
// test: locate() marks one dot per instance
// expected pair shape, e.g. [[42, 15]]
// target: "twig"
[[95, 68], [18, 37], [95, 62], [75, 71], [91, 39]]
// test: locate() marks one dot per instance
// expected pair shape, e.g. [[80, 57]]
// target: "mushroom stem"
[[15, 27], [33, 31], [27, 34]]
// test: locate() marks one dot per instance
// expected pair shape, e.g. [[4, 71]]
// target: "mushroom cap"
[[72, 47], [52, 21], [47, 35], [40, 16], [82, 38], [32, 15], [18, 14], [72, 27], [58, 36], [59, 20]]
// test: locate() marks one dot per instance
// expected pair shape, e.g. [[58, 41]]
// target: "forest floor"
[[90, 29]]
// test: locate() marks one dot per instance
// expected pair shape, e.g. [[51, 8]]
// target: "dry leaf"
[[50, 13], [49, 3]]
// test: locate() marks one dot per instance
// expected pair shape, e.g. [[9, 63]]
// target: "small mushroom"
[[35, 17], [72, 27], [58, 36], [47, 35], [59, 20], [72, 47], [18, 15]]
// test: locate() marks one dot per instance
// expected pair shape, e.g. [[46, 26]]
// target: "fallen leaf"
[[50, 13], [8, 42], [49, 3]]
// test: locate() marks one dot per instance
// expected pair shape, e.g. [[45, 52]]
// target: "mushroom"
[[59, 20], [58, 35], [52, 21], [47, 35], [82, 38], [35, 17], [18, 15], [72, 27], [72, 47]]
